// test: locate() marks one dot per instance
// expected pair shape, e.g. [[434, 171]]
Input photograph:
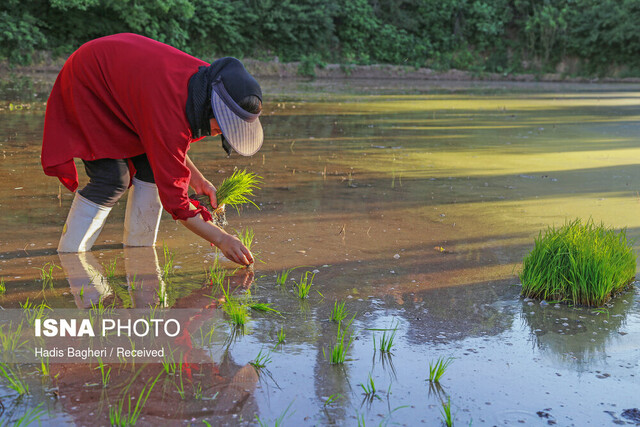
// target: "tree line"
[[594, 36]]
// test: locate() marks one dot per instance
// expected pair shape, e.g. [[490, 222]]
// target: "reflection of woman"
[[129, 106], [220, 391]]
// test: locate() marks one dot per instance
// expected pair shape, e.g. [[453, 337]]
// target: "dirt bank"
[[49, 68]]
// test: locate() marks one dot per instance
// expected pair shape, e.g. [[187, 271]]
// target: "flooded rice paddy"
[[414, 202]]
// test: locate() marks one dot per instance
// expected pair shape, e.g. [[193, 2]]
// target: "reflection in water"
[[86, 278], [577, 337], [218, 391]]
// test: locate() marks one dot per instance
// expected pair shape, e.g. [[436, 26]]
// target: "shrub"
[[584, 264]]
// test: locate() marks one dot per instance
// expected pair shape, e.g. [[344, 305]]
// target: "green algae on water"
[[583, 264]]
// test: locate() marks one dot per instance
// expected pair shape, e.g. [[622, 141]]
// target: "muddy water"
[[415, 202]]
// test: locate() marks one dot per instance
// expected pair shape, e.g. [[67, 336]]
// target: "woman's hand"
[[234, 250], [203, 186], [230, 245], [200, 184]]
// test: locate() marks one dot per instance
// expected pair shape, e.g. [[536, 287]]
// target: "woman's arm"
[[200, 184], [230, 245]]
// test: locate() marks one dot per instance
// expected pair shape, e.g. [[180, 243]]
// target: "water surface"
[[415, 202]]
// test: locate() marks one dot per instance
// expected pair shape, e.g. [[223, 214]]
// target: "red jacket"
[[117, 97]]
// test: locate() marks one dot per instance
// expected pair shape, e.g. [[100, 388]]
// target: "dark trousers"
[[109, 178]]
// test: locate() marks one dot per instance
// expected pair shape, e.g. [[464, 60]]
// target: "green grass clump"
[[303, 287], [261, 360], [281, 336], [105, 372], [438, 368], [167, 267], [386, 341], [338, 352], [234, 190], [123, 414], [445, 411], [46, 274], [263, 307], [3, 287], [246, 237], [369, 388], [584, 264], [216, 275], [281, 278], [32, 311], [30, 417], [338, 312], [14, 380], [238, 313]]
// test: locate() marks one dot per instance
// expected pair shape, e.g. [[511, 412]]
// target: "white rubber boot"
[[84, 224], [142, 219]]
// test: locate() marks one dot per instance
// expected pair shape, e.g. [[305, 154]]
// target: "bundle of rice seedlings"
[[234, 191], [584, 264]]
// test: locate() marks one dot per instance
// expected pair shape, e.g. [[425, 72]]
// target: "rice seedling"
[[133, 283], [31, 311], [180, 385], [110, 269], [338, 312], [234, 190], [15, 382], [162, 297], [11, 340], [281, 279], [105, 373], [46, 274], [216, 275], [278, 421], [118, 416], [261, 360], [246, 236], [3, 287], [167, 267], [169, 364], [369, 388], [331, 399], [263, 307], [208, 337], [585, 264], [338, 353], [445, 411], [98, 309], [237, 312], [30, 417], [281, 336], [197, 391], [303, 287], [44, 366], [386, 341], [438, 368]]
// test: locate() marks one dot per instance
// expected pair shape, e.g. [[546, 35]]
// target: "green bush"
[[477, 35], [308, 64], [584, 264]]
